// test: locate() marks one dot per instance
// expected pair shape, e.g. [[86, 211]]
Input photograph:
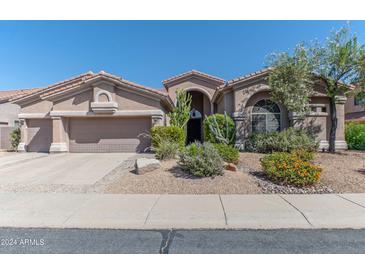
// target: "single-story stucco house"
[[100, 112]]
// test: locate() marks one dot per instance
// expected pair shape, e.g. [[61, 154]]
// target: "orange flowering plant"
[[288, 168]]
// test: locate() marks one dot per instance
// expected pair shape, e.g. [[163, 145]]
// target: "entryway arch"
[[200, 107]]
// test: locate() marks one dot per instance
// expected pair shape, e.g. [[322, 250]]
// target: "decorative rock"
[[144, 165], [230, 167]]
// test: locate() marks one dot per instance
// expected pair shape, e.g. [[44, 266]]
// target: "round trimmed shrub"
[[201, 160], [287, 168], [229, 153], [355, 135], [303, 154], [221, 121], [172, 134]]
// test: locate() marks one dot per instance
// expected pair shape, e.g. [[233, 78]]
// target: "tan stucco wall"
[[191, 83], [60, 130], [225, 103], [220, 105], [128, 100], [243, 93], [350, 106], [246, 95], [79, 102], [319, 125], [8, 114], [37, 107]]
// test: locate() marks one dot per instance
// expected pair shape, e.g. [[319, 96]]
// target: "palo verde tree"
[[181, 113], [338, 65]]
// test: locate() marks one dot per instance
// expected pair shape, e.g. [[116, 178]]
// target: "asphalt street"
[[103, 241]]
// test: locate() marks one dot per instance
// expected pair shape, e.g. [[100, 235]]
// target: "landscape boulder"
[[144, 165], [230, 167]]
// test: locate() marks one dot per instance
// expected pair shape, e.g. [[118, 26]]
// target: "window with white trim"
[[265, 117]]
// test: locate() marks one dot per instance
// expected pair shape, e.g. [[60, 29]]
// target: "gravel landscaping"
[[343, 172], [170, 179]]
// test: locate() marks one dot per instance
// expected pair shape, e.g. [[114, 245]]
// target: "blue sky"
[[39, 53]]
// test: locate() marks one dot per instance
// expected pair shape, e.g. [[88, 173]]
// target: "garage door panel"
[[39, 135], [109, 134]]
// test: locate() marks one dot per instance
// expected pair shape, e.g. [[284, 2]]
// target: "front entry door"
[[194, 130]]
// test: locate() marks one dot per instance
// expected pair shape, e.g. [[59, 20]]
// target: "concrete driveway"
[[56, 172]]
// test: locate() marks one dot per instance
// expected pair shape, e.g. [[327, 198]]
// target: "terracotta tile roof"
[[7, 95], [245, 77], [132, 84], [192, 73], [67, 84], [60, 87]]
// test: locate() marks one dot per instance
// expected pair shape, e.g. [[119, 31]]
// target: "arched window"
[[265, 116]]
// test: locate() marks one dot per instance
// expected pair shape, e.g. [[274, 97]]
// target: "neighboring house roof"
[[192, 73], [77, 81], [7, 95]]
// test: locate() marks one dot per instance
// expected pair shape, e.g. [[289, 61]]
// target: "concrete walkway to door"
[[56, 172]]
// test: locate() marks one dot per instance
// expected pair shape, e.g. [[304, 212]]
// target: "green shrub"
[[304, 155], [167, 150], [355, 135], [228, 153], [262, 142], [201, 160], [15, 138], [181, 113], [286, 168], [219, 128], [285, 141], [171, 133]]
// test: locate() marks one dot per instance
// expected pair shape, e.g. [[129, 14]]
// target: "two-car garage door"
[[109, 134]]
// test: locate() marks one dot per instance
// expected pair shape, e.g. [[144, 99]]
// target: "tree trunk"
[[333, 116]]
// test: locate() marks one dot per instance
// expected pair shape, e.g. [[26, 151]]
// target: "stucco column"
[[239, 121], [157, 120], [58, 136], [22, 147], [340, 132]]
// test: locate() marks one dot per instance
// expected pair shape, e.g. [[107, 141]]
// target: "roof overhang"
[[65, 89], [215, 81]]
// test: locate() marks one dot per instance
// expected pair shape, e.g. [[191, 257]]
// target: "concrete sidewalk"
[[63, 210]]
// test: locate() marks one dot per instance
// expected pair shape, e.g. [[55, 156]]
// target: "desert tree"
[[338, 65]]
